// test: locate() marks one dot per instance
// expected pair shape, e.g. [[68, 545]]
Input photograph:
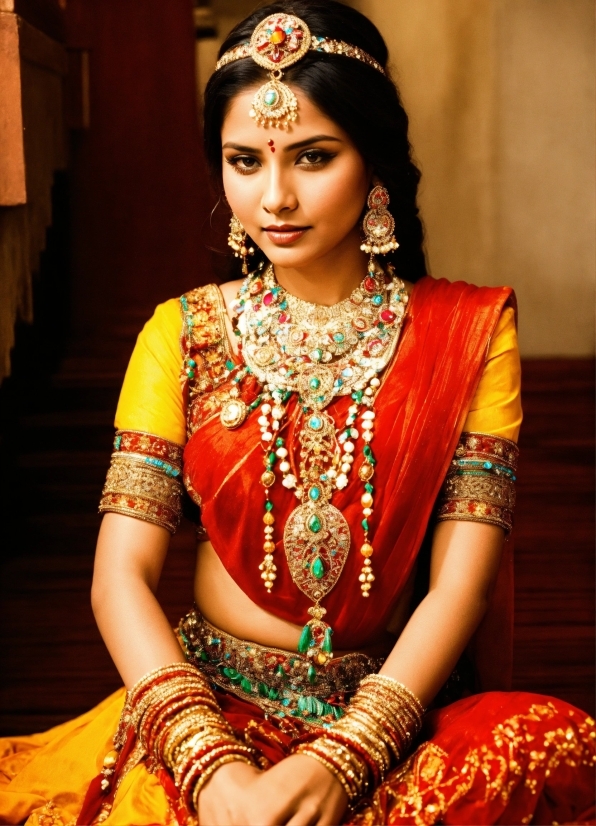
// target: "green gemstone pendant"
[[317, 568]]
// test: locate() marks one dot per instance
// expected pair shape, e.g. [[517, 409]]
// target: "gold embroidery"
[[141, 490], [424, 788], [479, 486], [206, 351]]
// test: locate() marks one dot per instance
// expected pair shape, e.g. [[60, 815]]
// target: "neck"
[[328, 279]]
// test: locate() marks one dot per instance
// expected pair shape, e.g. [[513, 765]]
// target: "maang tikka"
[[237, 240], [278, 42], [378, 224]]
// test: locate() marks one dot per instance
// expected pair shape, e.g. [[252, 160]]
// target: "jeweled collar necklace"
[[319, 353]]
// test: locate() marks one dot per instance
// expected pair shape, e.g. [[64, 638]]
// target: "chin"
[[292, 257]]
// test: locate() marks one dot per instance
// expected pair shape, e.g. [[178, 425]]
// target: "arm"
[[464, 564], [128, 562]]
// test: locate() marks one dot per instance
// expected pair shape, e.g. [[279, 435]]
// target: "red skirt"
[[499, 757]]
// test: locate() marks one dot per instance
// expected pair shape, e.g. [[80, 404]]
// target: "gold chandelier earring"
[[378, 224], [237, 240]]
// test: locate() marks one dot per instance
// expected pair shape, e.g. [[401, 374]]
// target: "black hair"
[[357, 97]]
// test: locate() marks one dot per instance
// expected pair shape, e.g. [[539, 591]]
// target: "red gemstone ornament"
[[255, 287], [268, 298], [370, 285], [387, 316], [375, 346], [283, 318]]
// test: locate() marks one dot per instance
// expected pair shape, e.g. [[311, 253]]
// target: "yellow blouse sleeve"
[[151, 399], [496, 406]]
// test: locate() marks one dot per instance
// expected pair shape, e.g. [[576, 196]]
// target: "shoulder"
[[448, 303], [440, 290]]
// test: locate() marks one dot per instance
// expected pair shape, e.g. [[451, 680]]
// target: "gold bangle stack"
[[379, 727], [177, 720]]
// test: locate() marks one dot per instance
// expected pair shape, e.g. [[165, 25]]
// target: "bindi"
[[271, 145]]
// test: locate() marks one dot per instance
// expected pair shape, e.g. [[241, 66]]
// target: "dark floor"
[[55, 450]]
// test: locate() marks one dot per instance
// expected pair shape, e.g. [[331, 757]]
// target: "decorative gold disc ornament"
[[233, 413], [276, 43]]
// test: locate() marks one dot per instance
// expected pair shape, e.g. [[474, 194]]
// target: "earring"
[[237, 240], [378, 224]]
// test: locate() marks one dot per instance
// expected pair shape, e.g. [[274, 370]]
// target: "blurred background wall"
[[501, 99]]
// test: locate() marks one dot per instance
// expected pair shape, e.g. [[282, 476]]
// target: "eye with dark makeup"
[[310, 159]]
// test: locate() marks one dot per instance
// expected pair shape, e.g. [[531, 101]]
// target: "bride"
[[344, 427]]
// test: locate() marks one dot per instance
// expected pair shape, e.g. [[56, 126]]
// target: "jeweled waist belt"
[[282, 683]]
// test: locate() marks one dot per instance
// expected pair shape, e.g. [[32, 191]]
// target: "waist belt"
[[282, 683]]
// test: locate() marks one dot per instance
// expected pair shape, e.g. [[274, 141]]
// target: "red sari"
[[489, 758]]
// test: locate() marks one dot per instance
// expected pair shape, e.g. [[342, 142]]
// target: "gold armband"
[[480, 483], [144, 479]]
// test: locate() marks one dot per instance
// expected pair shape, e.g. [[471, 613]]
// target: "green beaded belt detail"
[[282, 683]]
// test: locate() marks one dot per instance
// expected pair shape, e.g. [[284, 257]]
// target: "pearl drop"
[[341, 481], [345, 468], [277, 412], [332, 473], [375, 382], [353, 409], [289, 481], [274, 425], [347, 457], [349, 447], [367, 424], [266, 437], [366, 511], [353, 433], [369, 414], [284, 467], [367, 436], [263, 421], [266, 408], [369, 391], [281, 452]]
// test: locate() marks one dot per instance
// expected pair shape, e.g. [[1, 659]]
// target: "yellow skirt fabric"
[[35, 770]]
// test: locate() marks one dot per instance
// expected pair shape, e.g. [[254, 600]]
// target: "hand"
[[298, 791]]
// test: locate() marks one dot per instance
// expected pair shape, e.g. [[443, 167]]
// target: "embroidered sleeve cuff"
[[480, 483], [144, 479]]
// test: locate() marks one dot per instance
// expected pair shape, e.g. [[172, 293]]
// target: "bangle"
[[177, 720], [382, 721]]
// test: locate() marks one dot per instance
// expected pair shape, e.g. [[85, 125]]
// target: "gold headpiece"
[[277, 42]]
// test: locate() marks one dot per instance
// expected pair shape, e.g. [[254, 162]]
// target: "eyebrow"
[[299, 145]]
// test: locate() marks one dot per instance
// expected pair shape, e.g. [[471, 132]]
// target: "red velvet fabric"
[[421, 407]]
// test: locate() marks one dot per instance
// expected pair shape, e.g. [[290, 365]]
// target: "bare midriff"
[[224, 604]]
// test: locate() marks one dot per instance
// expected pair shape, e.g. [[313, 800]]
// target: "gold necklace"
[[293, 346]]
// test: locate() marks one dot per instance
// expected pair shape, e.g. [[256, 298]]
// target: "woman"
[[346, 426]]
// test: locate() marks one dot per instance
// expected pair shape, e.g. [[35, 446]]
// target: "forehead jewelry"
[[277, 42], [271, 145]]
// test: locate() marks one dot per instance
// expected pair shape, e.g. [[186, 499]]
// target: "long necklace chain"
[[319, 353]]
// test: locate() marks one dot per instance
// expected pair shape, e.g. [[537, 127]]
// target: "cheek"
[[339, 197]]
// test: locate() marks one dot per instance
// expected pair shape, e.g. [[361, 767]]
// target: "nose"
[[278, 194]]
